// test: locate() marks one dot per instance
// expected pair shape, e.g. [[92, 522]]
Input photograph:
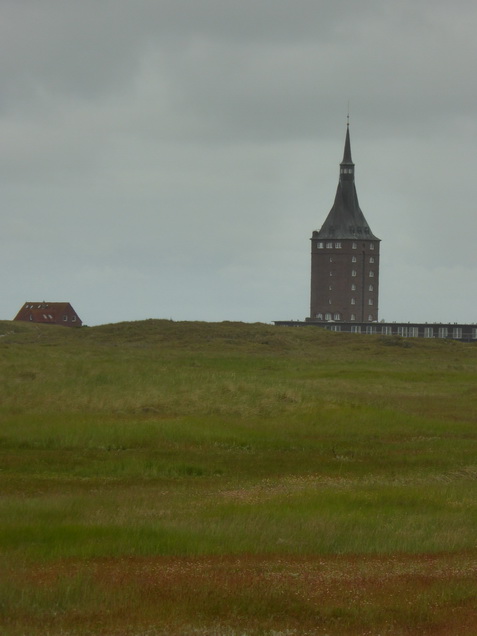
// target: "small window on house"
[[428, 332], [355, 246], [73, 319], [353, 317], [371, 246], [370, 318], [371, 288], [337, 316], [31, 317], [319, 316], [329, 245], [371, 259], [331, 259], [65, 317], [353, 260], [353, 301], [338, 245], [353, 287], [371, 274], [329, 302], [319, 245], [370, 301], [327, 316], [331, 273], [353, 272]]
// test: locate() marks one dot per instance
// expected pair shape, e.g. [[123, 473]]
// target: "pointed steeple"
[[347, 149], [345, 219]]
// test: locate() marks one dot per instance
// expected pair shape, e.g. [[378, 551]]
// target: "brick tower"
[[345, 257]]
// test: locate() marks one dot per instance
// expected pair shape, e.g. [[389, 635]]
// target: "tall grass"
[[162, 439]]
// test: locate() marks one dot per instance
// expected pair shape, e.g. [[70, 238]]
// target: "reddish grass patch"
[[428, 595]]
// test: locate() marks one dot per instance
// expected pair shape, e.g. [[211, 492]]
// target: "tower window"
[[371, 259], [353, 260], [327, 316], [353, 272], [331, 273], [371, 288], [338, 245], [353, 317], [353, 287], [319, 245], [371, 246], [337, 316], [371, 274], [370, 301], [353, 301], [355, 246], [329, 245], [370, 318], [331, 260]]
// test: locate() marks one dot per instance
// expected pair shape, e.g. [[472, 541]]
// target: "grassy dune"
[[195, 478]]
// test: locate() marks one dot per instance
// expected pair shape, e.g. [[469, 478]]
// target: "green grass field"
[[239, 479]]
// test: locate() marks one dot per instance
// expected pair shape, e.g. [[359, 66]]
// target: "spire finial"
[[347, 116]]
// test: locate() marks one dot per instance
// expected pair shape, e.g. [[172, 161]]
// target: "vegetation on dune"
[[241, 457]]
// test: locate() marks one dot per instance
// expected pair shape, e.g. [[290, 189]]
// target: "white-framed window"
[[73, 319], [370, 318], [327, 316], [329, 245], [65, 317], [355, 246], [329, 302], [428, 332], [331, 273], [371, 328], [443, 332], [387, 330], [330, 287], [353, 287], [371, 259], [371, 288], [355, 328], [370, 301], [353, 260], [337, 316], [413, 332], [331, 259], [353, 317], [320, 245], [371, 274], [457, 332], [319, 316], [353, 301], [353, 272], [402, 331], [338, 245], [371, 246], [474, 333]]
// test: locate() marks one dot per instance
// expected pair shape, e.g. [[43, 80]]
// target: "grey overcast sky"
[[171, 158]]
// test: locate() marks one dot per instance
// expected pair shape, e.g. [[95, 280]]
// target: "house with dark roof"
[[345, 257], [49, 313]]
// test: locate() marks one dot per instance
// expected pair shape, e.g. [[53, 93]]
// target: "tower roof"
[[345, 219]]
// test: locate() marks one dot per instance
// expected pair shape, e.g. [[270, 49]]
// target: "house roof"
[[49, 313], [345, 219]]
